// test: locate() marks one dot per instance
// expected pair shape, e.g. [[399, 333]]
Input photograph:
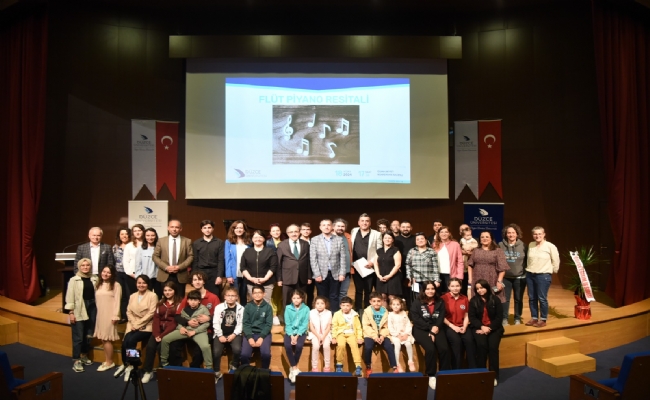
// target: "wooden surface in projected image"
[[316, 135]]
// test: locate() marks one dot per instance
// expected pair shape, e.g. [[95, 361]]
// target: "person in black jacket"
[[259, 265], [428, 316], [485, 318]]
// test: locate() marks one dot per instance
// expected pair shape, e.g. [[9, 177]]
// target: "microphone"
[[73, 244]]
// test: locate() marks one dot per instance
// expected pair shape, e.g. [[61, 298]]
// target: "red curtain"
[[23, 50], [622, 49]]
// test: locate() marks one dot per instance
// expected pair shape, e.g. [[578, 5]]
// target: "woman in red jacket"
[[164, 322]]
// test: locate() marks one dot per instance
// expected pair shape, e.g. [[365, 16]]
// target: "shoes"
[[119, 371], [412, 366], [85, 361], [505, 322], [326, 369], [432, 382], [217, 376], [532, 322], [78, 366], [495, 382], [540, 324], [105, 367], [276, 321], [232, 369], [127, 373], [122, 321], [368, 372], [146, 377], [314, 368], [339, 368], [292, 377], [357, 372], [399, 368], [517, 322]]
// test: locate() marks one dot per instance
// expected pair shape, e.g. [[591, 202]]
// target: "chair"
[[174, 383], [477, 384], [410, 385], [628, 382], [277, 385], [13, 386], [325, 386]]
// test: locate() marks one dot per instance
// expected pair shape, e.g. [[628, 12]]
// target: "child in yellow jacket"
[[346, 328], [375, 332]]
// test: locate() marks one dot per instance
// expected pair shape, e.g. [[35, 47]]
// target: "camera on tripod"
[[133, 357]]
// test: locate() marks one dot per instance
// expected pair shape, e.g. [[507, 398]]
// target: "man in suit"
[[173, 255], [327, 258], [101, 254], [365, 242], [294, 271], [340, 225]]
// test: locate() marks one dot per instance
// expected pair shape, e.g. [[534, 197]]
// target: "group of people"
[[408, 288]]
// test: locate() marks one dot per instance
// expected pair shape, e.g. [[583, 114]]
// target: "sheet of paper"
[[360, 267], [415, 287]]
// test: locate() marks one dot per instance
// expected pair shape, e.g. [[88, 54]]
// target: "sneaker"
[[357, 371], [517, 322], [399, 368], [314, 368], [432, 382], [232, 369], [276, 321], [326, 369], [540, 324], [78, 366], [127, 373], [505, 322], [292, 376], [119, 371], [412, 366], [146, 377], [532, 322], [368, 372], [495, 382], [339, 368], [85, 361], [217, 376], [105, 367]]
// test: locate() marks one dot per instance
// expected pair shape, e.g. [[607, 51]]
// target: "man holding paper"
[[365, 242]]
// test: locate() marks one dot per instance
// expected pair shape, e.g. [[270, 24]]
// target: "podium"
[[67, 272]]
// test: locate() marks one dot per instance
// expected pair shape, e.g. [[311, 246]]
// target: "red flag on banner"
[[166, 155], [489, 156]]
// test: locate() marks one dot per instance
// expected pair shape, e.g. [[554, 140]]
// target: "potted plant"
[[589, 259]]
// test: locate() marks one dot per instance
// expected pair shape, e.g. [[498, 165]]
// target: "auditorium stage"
[[44, 328]]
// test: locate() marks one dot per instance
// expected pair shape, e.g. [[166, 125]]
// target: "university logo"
[[148, 210]]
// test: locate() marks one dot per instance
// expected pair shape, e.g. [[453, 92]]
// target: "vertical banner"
[[154, 156], [484, 217], [466, 156], [151, 214], [489, 156]]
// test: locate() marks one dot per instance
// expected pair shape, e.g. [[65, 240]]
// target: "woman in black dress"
[[387, 266]]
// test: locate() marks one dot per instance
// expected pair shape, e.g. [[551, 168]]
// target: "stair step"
[[562, 366], [556, 347]]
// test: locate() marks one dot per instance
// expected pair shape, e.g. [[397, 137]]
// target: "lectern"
[[67, 272]]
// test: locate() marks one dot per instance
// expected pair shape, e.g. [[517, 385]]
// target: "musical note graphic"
[[288, 130], [332, 154], [313, 121], [345, 127], [322, 134], [304, 148]]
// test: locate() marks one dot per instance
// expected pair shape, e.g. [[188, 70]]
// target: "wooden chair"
[[277, 385], [325, 386], [174, 383], [475, 384], [13, 386], [630, 381], [411, 385]]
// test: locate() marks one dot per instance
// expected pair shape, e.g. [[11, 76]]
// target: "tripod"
[[134, 378]]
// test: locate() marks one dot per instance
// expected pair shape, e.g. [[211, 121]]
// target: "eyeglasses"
[[420, 233]]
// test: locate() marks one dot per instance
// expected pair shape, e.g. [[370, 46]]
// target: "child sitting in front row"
[[296, 319], [320, 333], [346, 328], [400, 328], [199, 334], [375, 331]]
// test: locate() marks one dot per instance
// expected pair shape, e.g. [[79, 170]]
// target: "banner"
[[466, 149], [477, 156], [151, 214], [484, 217], [584, 279], [154, 156]]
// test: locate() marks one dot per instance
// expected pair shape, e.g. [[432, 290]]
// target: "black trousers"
[[210, 286], [430, 347], [487, 347], [362, 289], [460, 343], [179, 286]]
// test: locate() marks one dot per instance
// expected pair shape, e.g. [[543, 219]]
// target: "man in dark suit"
[[173, 256], [101, 254], [294, 270]]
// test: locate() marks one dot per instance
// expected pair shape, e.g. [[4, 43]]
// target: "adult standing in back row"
[[543, 260], [365, 243], [327, 256], [173, 255], [515, 278]]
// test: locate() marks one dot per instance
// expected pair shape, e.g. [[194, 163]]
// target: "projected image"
[[316, 134]]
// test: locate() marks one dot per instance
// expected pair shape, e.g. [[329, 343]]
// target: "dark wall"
[[533, 68]]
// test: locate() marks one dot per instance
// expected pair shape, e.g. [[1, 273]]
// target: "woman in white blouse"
[[129, 259], [543, 261]]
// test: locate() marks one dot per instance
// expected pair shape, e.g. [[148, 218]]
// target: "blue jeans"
[[82, 331], [241, 285], [369, 344], [345, 285], [519, 285], [538, 285], [265, 350], [294, 355], [330, 288]]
